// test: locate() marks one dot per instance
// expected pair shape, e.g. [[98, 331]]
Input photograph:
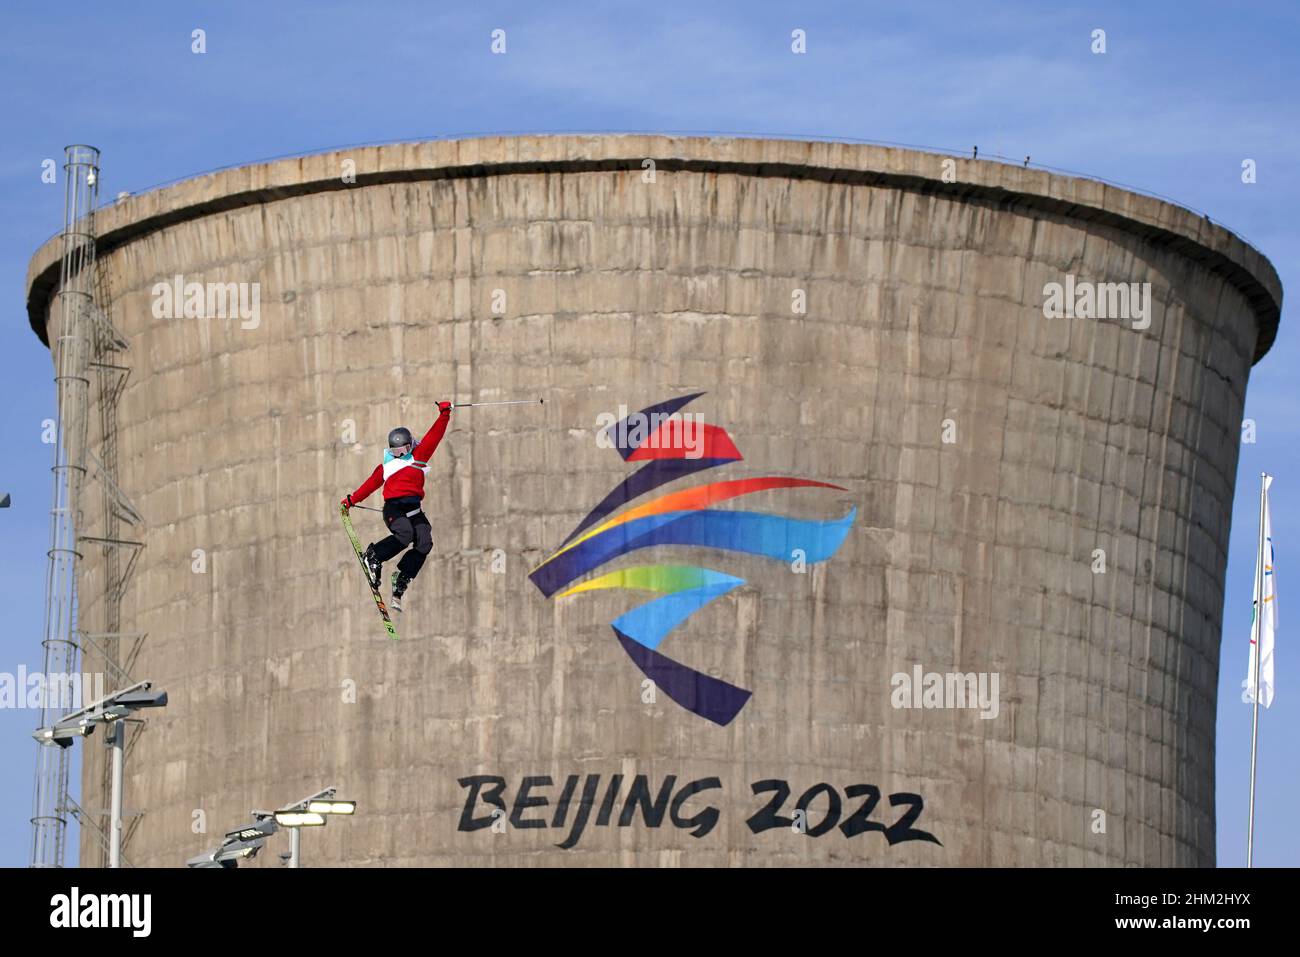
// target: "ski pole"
[[471, 405], [368, 508]]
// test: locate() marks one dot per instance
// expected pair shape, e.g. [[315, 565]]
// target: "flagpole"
[[1257, 635]]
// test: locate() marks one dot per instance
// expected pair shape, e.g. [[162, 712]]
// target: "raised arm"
[[424, 451]]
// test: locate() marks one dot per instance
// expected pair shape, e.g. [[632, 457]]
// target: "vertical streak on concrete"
[[1165, 516], [463, 307]]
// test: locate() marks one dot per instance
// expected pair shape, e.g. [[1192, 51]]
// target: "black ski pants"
[[408, 524]]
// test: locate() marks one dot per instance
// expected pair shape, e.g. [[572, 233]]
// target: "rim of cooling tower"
[[1000, 185]]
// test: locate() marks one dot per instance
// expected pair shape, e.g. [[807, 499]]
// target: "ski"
[[356, 547]]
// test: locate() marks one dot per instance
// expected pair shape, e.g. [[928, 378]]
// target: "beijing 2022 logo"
[[687, 518]]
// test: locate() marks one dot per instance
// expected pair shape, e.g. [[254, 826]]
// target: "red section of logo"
[[679, 439]]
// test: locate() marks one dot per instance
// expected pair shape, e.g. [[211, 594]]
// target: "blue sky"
[[1184, 93]]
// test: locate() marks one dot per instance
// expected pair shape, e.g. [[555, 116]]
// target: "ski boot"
[[374, 567], [400, 581]]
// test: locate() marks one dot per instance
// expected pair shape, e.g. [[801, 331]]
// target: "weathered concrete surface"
[[924, 305]]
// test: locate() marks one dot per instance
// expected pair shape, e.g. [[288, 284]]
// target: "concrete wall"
[[924, 304]]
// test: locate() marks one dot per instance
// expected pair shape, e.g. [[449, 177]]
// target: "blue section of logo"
[[754, 533], [651, 622]]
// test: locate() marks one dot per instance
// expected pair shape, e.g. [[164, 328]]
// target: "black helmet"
[[400, 437]]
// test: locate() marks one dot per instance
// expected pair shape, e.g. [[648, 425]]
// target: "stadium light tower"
[[310, 812], [113, 712]]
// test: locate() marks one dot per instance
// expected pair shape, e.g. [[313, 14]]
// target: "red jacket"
[[404, 477]]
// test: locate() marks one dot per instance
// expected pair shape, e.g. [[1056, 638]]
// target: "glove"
[[444, 407], [347, 501]]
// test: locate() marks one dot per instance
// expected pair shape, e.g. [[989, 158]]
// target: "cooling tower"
[[924, 570]]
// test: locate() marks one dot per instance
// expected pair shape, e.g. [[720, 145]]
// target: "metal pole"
[[471, 405], [117, 735], [295, 847], [1257, 633]]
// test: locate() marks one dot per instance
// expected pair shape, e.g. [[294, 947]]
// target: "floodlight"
[[243, 843], [311, 811], [299, 819], [62, 736], [332, 807], [140, 699]]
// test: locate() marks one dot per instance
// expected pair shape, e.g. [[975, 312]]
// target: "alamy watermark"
[[934, 689], [657, 430], [54, 690], [179, 299], [1081, 299], [74, 909]]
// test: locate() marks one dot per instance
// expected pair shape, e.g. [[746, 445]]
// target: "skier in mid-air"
[[402, 476]]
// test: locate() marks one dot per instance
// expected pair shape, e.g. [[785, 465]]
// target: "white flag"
[[1263, 625]]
